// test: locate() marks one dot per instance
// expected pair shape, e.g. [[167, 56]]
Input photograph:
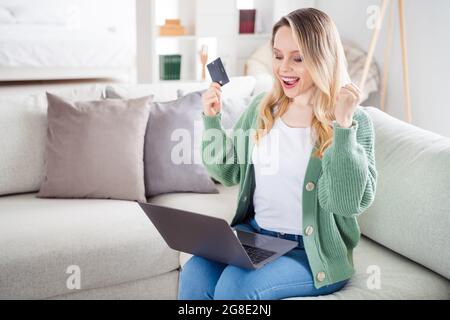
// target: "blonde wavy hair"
[[323, 55]]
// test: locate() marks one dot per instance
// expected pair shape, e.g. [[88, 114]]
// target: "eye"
[[298, 59]]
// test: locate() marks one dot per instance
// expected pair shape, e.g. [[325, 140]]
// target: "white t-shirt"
[[280, 160]]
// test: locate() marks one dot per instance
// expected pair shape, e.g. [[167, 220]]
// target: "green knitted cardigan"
[[336, 189]]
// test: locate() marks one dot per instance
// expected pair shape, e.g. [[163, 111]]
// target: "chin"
[[291, 93]]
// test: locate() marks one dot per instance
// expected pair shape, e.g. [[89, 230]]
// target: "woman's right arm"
[[221, 155]]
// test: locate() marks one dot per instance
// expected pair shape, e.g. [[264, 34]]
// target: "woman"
[[317, 177]]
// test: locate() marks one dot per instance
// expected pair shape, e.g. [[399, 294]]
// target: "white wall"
[[283, 7], [428, 43]]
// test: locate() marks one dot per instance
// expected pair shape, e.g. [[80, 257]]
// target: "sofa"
[[116, 253]]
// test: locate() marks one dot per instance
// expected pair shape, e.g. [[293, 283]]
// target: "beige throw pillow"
[[95, 149]]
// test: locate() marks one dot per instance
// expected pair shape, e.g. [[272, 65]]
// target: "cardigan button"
[[244, 198], [309, 230], [310, 186], [321, 276]]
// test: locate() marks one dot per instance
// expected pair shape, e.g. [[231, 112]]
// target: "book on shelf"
[[169, 67], [247, 20]]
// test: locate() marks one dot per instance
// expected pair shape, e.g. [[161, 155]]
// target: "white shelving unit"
[[211, 22]]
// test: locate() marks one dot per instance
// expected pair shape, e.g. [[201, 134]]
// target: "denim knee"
[[198, 279], [231, 288], [236, 283]]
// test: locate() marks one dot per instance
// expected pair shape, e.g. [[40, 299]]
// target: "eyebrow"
[[280, 50]]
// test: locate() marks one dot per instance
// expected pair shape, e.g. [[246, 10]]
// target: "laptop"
[[214, 239]]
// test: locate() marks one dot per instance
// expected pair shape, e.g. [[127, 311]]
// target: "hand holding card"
[[211, 100], [217, 72]]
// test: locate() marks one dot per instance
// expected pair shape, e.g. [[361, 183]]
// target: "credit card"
[[217, 72]]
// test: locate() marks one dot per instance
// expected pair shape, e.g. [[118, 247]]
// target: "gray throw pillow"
[[172, 147], [95, 149]]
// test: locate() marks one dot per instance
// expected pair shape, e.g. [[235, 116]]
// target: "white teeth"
[[289, 79]]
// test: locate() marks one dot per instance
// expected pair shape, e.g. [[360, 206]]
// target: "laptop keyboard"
[[257, 254]]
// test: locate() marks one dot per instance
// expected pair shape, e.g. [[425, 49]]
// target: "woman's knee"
[[234, 284], [198, 278]]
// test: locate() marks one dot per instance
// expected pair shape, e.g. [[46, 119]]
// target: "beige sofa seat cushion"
[[162, 287], [111, 241], [221, 205]]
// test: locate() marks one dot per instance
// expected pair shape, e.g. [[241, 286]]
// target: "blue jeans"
[[287, 276]]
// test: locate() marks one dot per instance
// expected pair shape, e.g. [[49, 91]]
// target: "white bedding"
[[36, 45]]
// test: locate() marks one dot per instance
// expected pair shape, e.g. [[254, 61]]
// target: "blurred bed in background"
[[71, 39]]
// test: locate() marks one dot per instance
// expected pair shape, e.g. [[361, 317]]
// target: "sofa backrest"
[[166, 91], [23, 122], [23, 130], [411, 210]]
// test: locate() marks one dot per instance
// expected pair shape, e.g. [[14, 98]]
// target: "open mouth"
[[290, 82]]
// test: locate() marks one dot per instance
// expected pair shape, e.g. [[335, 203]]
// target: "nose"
[[285, 66]]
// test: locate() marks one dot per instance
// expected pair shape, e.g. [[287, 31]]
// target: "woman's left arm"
[[347, 185]]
